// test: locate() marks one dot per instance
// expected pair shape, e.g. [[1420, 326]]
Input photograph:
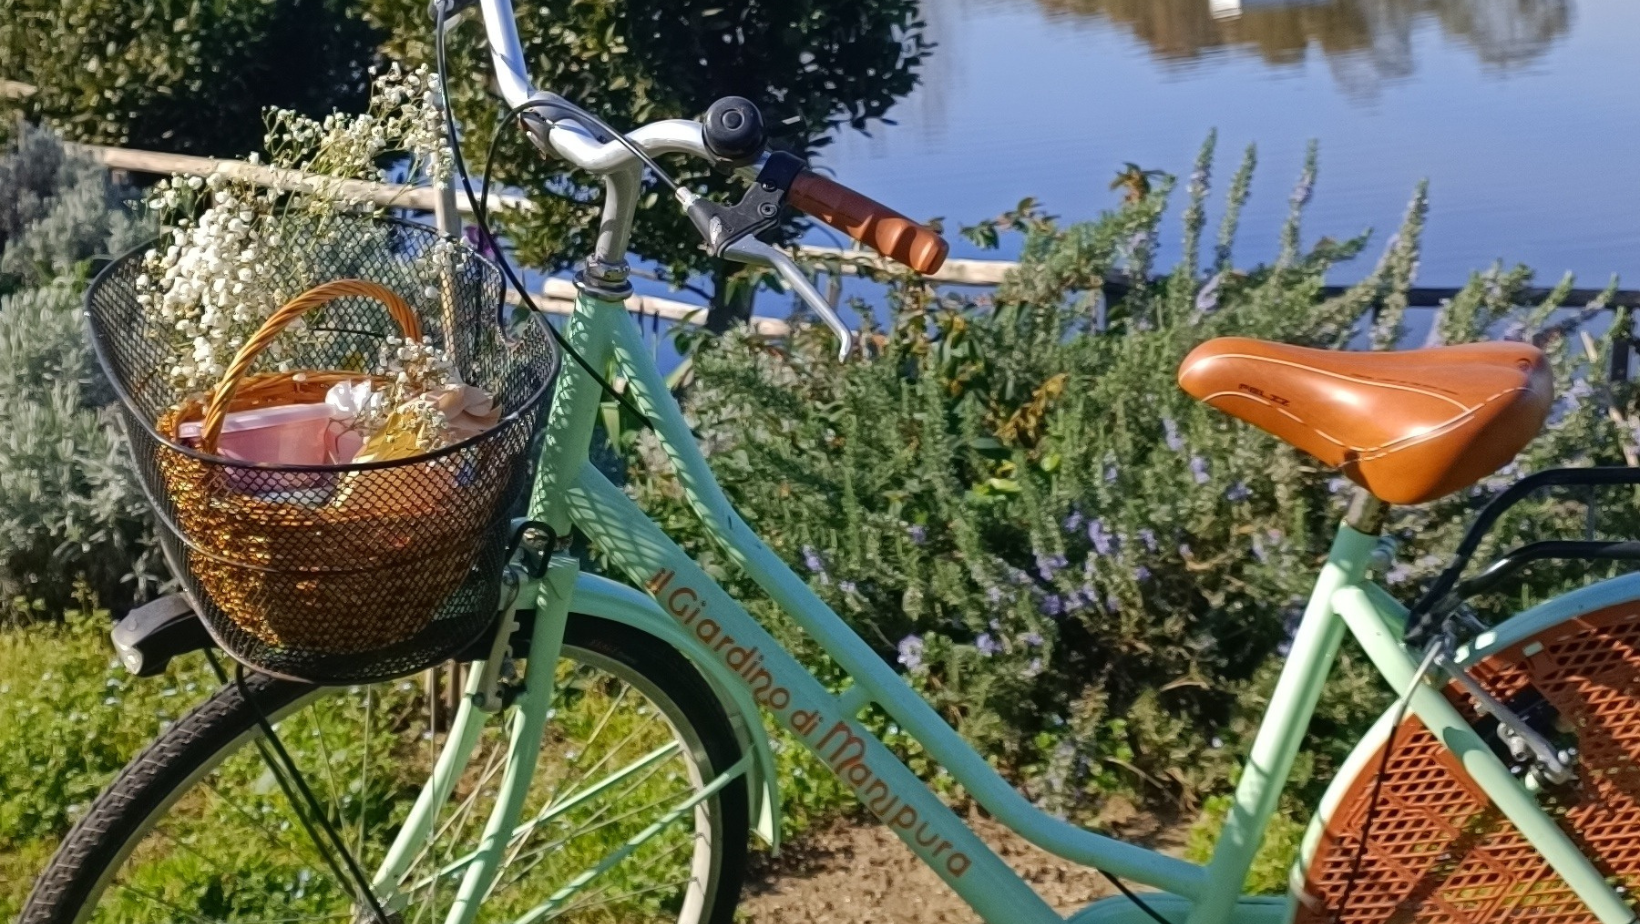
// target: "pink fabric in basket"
[[292, 434]]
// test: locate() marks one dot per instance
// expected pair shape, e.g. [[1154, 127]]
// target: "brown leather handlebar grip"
[[871, 223]]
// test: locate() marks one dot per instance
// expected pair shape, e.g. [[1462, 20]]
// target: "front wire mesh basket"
[[286, 573]]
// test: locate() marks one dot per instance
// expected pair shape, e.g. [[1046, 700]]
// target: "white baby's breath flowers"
[[214, 277], [411, 373]]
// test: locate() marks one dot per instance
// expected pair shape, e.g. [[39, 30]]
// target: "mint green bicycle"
[[608, 761]]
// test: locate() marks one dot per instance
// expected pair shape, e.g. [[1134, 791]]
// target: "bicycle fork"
[[528, 723]]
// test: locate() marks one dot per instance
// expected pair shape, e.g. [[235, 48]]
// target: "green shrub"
[[70, 507], [186, 77], [1268, 875], [1087, 573], [58, 211]]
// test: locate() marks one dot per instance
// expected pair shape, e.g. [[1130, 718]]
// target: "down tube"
[[799, 703]]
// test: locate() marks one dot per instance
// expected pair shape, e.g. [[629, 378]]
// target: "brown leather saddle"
[[1408, 426]]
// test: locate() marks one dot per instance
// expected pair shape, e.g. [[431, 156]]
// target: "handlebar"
[[861, 218], [870, 222]]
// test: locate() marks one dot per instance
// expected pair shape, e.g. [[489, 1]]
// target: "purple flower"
[[846, 587], [1290, 621], [1400, 573], [1052, 605], [1198, 468], [1337, 485], [1073, 522], [1032, 639], [1207, 299], [478, 241], [987, 645], [1141, 574], [911, 652], [918, 535], [1033, 669], [1301, 195], [1110, 472], [1103, 541], [1049, 565], [1175, 442], [994, 594], [812, 561], [1113, 605], [1237, 493], [1148, 537]]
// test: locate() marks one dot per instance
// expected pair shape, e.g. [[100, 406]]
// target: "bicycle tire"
[[158, 778], [1438, 851]]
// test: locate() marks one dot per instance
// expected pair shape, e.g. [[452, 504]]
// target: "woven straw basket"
[[302, 574]]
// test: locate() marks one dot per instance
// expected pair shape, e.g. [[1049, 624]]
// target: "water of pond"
[[1523, 114]]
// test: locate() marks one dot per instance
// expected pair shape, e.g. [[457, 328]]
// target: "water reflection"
[[1364, 41]]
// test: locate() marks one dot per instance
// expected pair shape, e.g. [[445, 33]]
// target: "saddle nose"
[[1409, 426]]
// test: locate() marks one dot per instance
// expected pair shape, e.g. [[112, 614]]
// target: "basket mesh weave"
[[400, 569], [1440, 852]]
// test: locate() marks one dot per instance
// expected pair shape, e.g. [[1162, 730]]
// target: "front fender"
[[1550, 613], [607, 599]]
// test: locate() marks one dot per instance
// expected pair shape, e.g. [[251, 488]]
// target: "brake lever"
[[757, 253]]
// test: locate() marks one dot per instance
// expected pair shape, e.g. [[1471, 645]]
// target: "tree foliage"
[[189, 76], [812, 66]]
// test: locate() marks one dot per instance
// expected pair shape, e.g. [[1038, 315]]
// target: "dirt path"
[[856, 872]]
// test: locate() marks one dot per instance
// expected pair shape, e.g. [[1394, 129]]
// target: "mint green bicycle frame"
[[689, 610]]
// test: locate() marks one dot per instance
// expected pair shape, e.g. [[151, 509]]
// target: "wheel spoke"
[[364, 770], [154, 899], [546, 851], [662, 856], [272, 838], [627, 849], [326, 762], [586, 746], [593, 901], [493, 765], [554, 809]]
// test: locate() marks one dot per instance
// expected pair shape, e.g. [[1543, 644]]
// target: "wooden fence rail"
[[982, 273]]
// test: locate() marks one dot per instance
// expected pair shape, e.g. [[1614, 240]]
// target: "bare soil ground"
[[857, 872]]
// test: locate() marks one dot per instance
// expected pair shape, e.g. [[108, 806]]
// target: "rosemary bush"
[[1087, 573], [69, 507]]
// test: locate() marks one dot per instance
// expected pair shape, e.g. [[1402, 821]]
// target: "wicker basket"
[[336, 573]]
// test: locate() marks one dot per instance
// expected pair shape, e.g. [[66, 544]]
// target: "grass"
[[70, 718]]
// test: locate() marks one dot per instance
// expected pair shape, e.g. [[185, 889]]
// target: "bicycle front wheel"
[[204, 826]]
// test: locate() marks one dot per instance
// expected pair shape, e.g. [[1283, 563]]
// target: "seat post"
[[1366, 513]]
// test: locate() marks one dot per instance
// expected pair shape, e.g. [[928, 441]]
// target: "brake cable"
[[481, 209]]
